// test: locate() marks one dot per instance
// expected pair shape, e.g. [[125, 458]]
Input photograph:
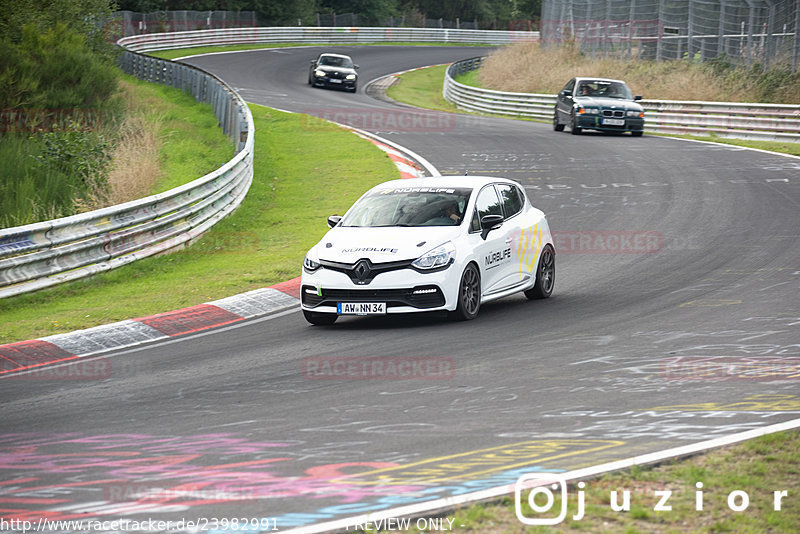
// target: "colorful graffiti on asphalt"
[[124, 474], [71, 476]]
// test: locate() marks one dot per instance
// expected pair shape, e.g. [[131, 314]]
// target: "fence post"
[[796, 47], [770, 23]]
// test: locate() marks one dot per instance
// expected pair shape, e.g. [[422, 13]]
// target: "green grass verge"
[[470, 78], [423, 88], [29, 190], [298, 182], [192, 142], [757, 467]]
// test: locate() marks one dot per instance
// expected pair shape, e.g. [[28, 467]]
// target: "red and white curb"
[[30, 355], [410, 164]]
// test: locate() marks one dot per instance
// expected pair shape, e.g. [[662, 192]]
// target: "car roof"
[[593, 79], [331, 54], [474, 182]]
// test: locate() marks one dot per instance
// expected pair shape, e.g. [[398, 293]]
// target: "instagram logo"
[[541, 497]]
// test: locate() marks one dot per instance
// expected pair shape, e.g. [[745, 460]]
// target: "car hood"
[[382, 245], [342, 70], [605, 102]]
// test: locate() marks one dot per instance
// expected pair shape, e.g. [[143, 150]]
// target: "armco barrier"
[[320, 35], [763, 122], [43, 254]]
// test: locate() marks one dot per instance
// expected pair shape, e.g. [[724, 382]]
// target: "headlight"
[[310, 265], [437, 257], [350, 77], [319, 73], [588, 111], [634, 113]]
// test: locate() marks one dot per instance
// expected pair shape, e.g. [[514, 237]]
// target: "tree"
[[370, 12], [277, 12]]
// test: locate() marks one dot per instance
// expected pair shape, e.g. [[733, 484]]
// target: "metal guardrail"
[[319, 35], [763, 122], [44, 254]]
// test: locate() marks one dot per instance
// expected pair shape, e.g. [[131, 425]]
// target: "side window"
[[569, 85], [512, 202], [487, 203]]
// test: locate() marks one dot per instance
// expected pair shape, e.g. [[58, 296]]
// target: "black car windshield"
[[335, 61], [601, 88], [409, 206]]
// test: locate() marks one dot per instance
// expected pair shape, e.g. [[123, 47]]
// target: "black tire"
[[545, 275], [353, 90], [637, 133], [320, 319], [469, 294], [573, 128], [557, 126]]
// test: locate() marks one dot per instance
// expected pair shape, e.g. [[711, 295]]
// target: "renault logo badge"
[[362, 271]]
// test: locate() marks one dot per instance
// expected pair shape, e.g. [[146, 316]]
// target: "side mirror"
[[566, 92], [489, 223], [333, 220], [637, 97], [356, 66]]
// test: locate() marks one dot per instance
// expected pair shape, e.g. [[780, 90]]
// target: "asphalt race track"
[[673, 321]]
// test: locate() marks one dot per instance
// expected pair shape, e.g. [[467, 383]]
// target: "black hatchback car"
[[598, 104], [333, 70]]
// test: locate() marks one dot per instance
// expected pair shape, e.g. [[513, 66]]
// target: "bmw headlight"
[[437, 257], [350, 77], [309, 264], [588, 111], [319, 73], [634, 113]]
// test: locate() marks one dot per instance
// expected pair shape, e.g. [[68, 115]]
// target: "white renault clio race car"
[[442, 243]]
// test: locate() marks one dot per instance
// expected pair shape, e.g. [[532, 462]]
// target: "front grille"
[[421, 297], [613, 113], [364, 271]]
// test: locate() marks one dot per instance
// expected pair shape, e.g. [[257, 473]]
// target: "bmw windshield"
[[605, 89], [336, 61], [415, 206]]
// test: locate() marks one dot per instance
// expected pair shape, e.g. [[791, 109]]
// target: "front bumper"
[[325, 81], [403, 291], [595, 122]]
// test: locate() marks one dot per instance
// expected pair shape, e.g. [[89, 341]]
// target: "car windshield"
[[335, 61], [409, 206], [604, 89]]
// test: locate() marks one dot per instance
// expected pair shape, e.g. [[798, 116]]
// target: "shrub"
[[54, 69]]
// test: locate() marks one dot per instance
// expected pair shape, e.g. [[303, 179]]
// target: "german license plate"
[[334, 80], [361, 308], [614, 122]]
